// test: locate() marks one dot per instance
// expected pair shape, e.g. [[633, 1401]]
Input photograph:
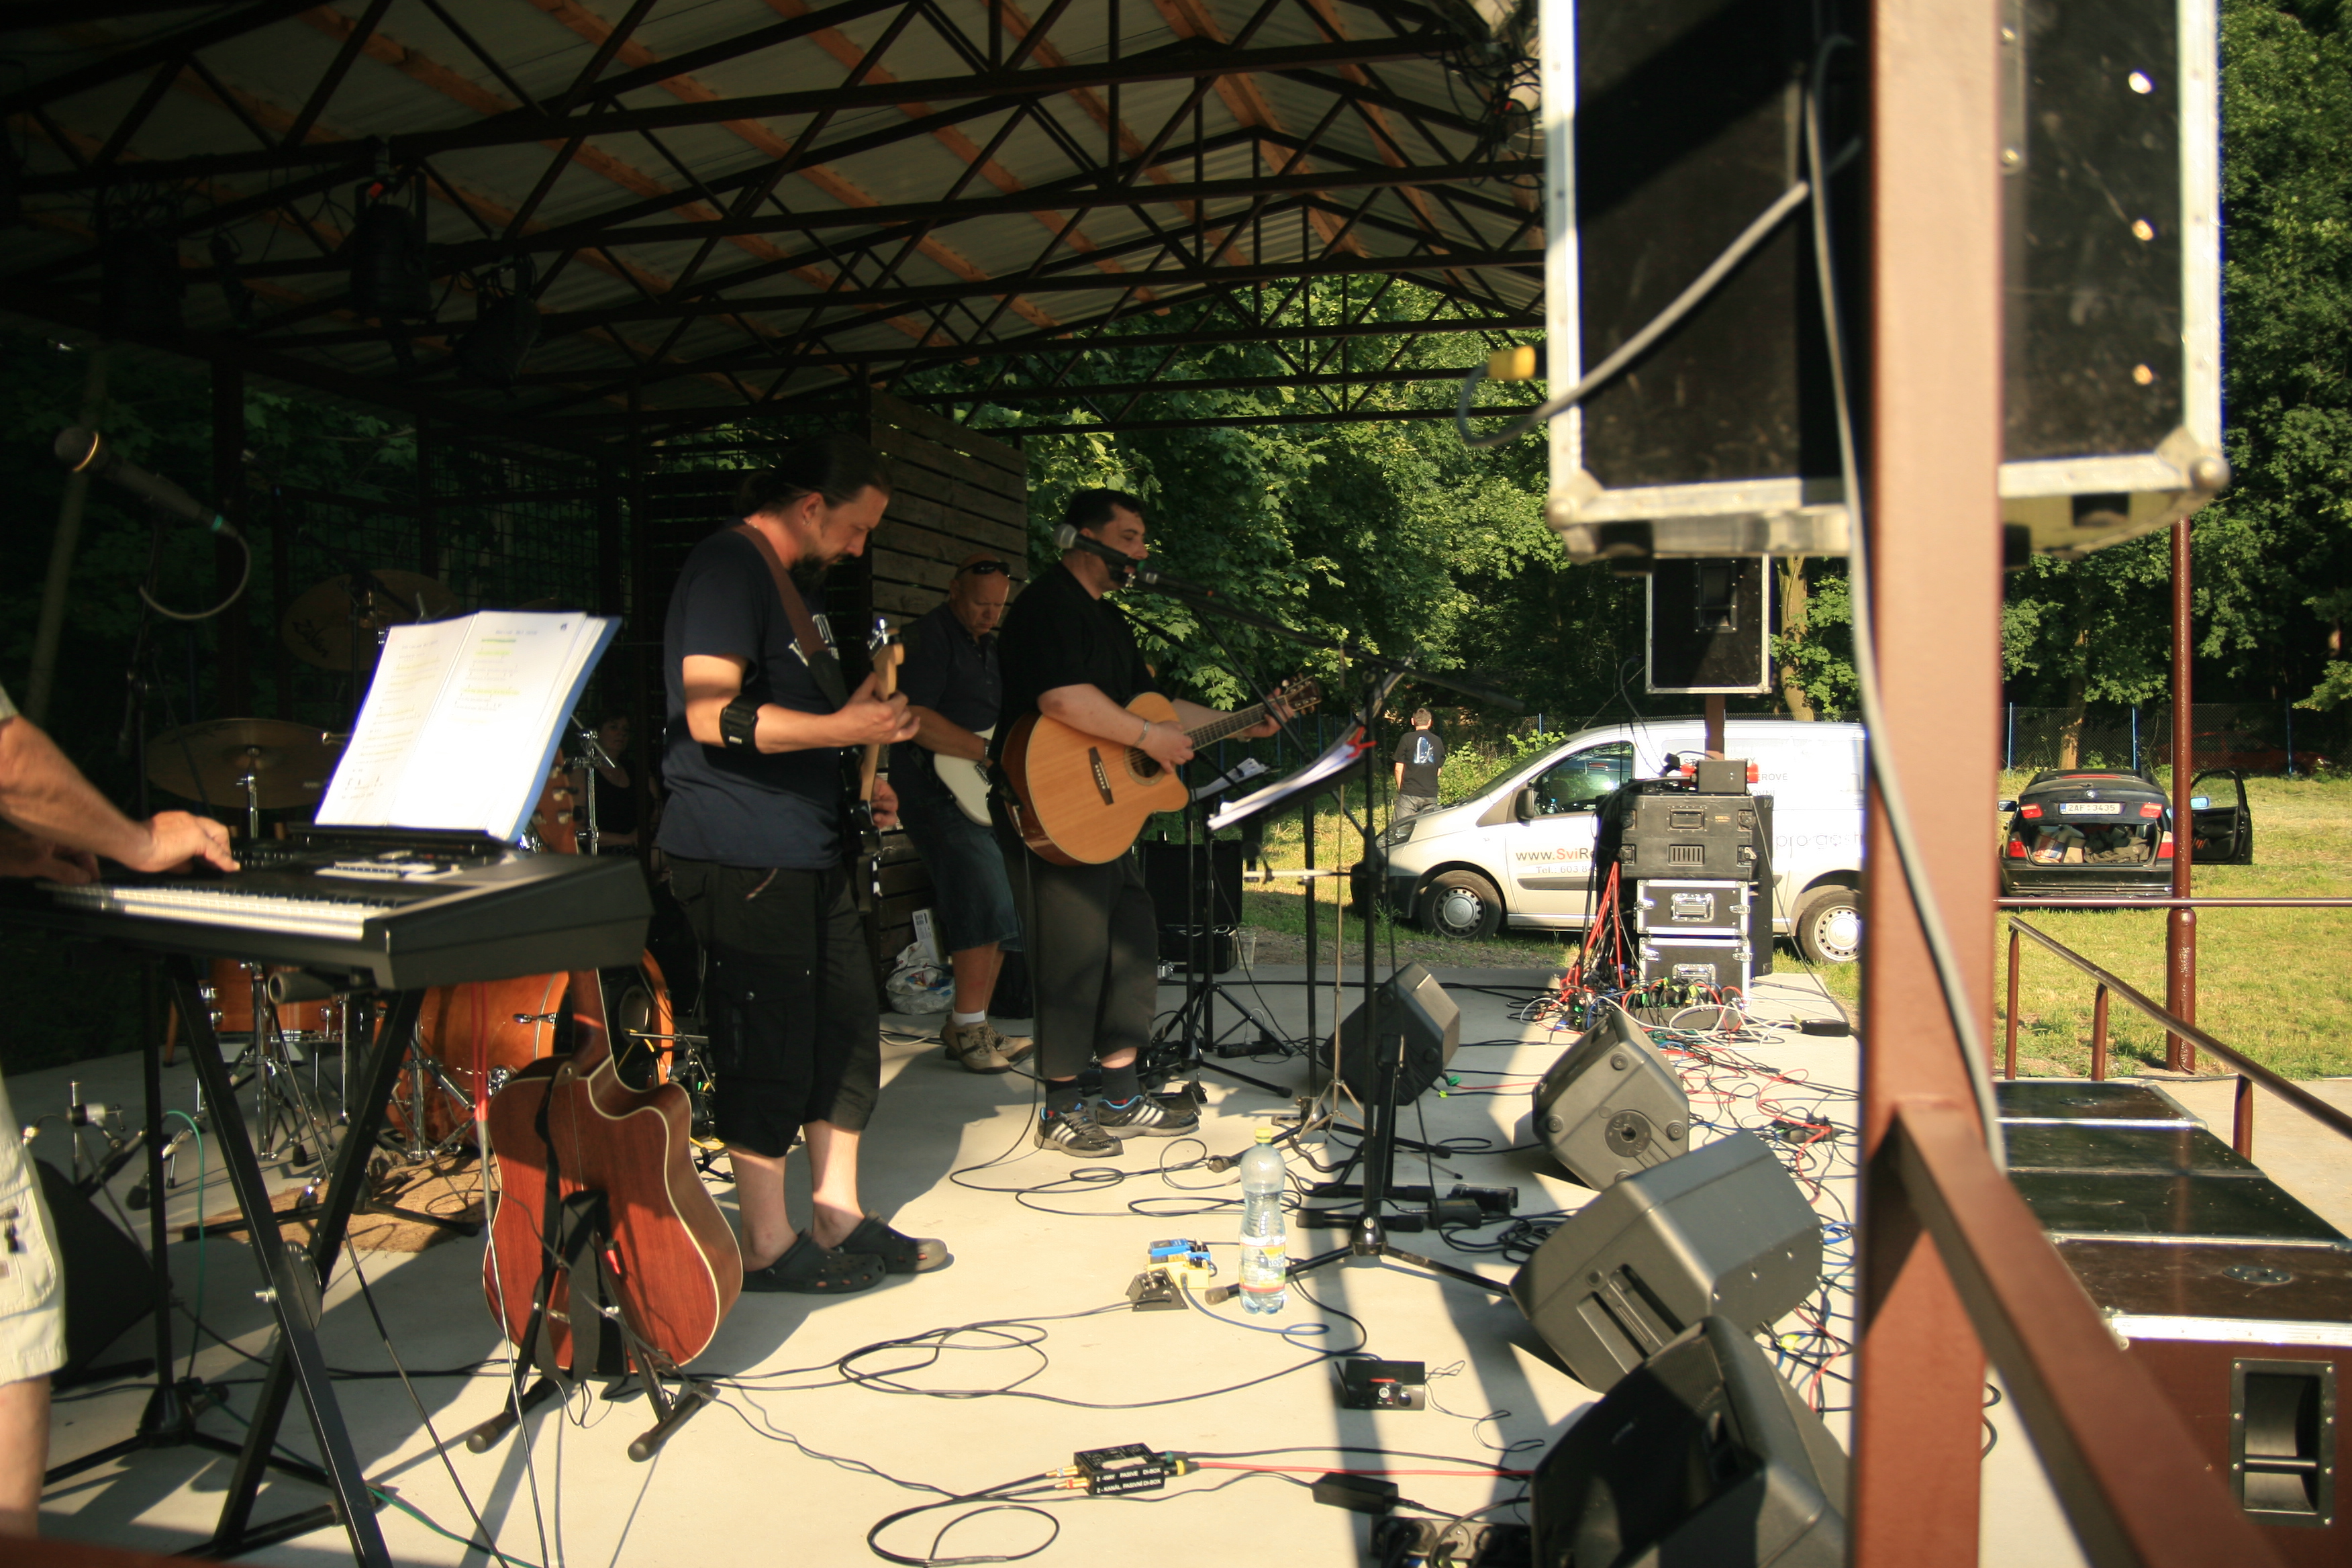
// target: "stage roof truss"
[[726, 208]]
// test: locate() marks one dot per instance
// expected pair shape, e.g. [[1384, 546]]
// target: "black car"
[[2107, 832]]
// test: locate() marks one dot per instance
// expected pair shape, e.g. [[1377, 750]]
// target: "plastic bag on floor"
[[917, 985]]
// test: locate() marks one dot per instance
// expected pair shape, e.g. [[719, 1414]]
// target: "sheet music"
[[1335, 758], [461, 723]]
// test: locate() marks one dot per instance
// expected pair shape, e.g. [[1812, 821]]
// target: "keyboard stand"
[[294, 1281]]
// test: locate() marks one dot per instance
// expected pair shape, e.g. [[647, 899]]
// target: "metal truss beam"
[[136, 58], [1071, 391]]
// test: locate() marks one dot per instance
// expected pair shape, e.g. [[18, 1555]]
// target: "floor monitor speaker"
[[1611, 1105], [109, 1286], [1703, 1455], [1411, 1003], [1719, 1232]]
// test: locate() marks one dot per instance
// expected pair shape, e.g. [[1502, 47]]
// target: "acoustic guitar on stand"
[[1080, 800]]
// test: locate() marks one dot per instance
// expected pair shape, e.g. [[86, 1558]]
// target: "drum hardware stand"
[[688, 1069], [1177, 1045]]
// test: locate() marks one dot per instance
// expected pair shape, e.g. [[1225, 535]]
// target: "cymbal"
[[209, 762], [317, 624]]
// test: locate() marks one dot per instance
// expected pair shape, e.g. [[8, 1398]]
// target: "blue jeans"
[[974, 902]]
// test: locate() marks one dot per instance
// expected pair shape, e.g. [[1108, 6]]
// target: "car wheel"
[[1828, 927], [1463, 904]]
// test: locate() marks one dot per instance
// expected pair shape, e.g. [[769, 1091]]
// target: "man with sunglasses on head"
[[954, 689]]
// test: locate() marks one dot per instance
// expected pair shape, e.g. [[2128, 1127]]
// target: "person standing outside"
[[954, 688], [759, 717], [1420, 753], [1089, 931], [56, 826]]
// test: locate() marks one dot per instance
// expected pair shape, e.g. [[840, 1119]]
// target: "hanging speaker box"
[[1676, 123]]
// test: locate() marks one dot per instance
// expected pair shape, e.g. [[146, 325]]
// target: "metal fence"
[[2260, 737]]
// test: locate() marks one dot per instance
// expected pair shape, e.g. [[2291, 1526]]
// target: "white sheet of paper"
[[459, 726], [1336, 757]]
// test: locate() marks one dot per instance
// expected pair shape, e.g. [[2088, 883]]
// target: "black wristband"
[[739, 724]]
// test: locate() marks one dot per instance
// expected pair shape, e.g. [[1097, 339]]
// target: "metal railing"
[[2248, 1072]]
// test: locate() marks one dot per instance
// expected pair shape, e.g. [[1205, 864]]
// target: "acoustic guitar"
[[1080, 800], [594, 1171]]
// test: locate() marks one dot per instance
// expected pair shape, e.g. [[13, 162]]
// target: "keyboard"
[[398, 913]]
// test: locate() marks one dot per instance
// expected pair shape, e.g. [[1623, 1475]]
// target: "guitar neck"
[[1217, 729]]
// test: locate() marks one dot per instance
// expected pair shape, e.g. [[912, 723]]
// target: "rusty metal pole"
[[2180, 924], [2014, 940], [2241, 1121], [1933, 515], [2099, 1037]]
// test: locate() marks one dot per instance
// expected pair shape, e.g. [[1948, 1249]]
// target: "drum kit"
[[470, 1037]]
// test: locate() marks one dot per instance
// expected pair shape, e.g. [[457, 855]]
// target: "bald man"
[[954, 689]]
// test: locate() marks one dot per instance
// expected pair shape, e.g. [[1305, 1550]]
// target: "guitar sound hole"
[[1146, 765]]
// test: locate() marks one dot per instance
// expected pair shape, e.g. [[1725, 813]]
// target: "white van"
[[1519, 850]]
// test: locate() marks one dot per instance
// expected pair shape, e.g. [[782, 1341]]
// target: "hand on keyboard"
[[176, 838], [22, 854]]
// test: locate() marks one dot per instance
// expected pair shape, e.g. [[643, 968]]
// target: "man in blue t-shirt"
[[760, 719], [954, 688]]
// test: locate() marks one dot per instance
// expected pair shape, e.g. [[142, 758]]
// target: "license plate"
[[2092, 809]]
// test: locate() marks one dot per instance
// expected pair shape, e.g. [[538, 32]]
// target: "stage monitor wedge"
[[1722, 1231], [1703, 1455], [1411, 1002], [1670, 126], [1610, 1106]]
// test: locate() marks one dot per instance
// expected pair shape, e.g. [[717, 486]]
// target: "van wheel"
[[1828, 927], [1463, 904]]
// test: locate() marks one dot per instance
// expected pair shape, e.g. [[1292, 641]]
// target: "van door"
[[1551, 852]]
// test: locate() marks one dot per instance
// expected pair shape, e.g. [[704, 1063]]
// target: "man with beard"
[[758, 717]]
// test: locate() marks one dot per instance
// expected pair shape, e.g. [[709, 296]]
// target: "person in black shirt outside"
[[954, 689], [757, 721], [1419, 754], [1089, 931]]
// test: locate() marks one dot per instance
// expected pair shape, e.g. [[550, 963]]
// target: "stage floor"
[[799, 1464]]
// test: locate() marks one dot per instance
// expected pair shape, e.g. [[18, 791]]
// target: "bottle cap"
[[1265, 1134]]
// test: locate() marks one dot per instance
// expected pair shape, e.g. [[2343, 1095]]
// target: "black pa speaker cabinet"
[[1719, 1232], [1611, 1105], [1705, 1455], [108, 1285], [1411, 1003], [1196, 901], [1686, 123], [1709, 627]]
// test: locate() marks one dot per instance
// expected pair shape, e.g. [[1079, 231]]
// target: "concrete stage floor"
[[797, 1465]]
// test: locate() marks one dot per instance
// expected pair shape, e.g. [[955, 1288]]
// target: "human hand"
[[869, 719], [176, 837], [22, 854], [1166, 744], [885, 804]]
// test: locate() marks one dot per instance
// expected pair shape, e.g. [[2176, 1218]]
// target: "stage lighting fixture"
[[494, 348], [388, 275]]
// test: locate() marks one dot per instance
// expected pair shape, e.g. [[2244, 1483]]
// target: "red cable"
[[1328, 1470]]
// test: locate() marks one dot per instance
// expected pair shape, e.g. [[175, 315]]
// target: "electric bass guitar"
[[967, 779], [1080, 800]]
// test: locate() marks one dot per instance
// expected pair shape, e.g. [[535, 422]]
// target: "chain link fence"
[[2258, 737]]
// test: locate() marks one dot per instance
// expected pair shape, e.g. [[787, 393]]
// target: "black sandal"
[[899, 1254], [813, 1270]]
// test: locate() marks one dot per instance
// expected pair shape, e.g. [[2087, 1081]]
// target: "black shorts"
[[788, 999]]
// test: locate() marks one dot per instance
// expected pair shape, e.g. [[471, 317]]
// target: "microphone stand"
[[1367, 1240]]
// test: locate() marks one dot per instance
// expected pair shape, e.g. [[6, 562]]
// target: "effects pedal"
[[1384, 1384], [1153, 1292], [1456, 1544], [1107, 1472]]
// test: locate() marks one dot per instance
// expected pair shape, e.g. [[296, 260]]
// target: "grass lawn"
[[2275, 984]]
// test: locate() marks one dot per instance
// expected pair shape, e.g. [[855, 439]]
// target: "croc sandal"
[[899, 1254], [813, 1270]]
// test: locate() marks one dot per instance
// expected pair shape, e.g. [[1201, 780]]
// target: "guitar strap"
[[822, 665]]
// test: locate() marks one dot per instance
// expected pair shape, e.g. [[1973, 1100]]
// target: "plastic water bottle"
[[1266, 1254]]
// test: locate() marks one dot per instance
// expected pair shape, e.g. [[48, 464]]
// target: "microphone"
[[1142, 572], [86, 451]]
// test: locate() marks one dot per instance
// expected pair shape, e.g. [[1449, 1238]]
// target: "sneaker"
[[980, 1047], [1074, 1133], [1147, 1116]]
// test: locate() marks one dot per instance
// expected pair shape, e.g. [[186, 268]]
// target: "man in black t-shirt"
[[954, 688], [759, 719], [1089, 929], [1419, 755]]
